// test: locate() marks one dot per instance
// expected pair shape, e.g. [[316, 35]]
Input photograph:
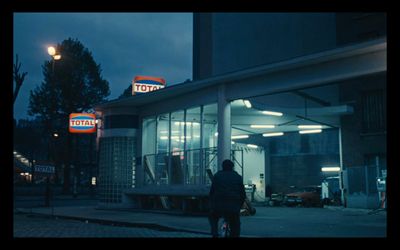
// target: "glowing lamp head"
[[51, 50]]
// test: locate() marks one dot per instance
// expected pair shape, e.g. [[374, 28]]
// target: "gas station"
[[282, 124]]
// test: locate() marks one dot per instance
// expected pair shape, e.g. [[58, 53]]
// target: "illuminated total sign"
[[144, 84], [82, 123]]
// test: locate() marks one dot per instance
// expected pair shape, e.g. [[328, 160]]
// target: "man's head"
[[227, 165]]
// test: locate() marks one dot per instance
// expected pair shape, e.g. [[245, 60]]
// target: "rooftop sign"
[[144, 84]]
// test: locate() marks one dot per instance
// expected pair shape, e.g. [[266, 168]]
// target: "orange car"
[[308, 197]]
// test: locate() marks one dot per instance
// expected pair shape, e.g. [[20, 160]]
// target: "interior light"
[[330, 169], [240, 136], [252, 146], [309, 126], [247, 103], [310, 131], [272, 113], [187, 123], [262, 126], [232, 142], [273, 134], [164, 137], [57, 57], [216, 134]]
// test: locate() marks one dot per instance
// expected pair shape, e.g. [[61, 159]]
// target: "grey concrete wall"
[[242, 40], [356, 144], [202, 45], [298, 170], [355, 27]]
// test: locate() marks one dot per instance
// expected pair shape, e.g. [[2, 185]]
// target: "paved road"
[[34, 226], [267, 222]]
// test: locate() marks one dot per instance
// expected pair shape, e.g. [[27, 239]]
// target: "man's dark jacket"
[[227, 192]]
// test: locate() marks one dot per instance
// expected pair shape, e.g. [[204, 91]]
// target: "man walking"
[[227, 195]]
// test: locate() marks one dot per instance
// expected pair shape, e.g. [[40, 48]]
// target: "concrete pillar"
[[224, 127]]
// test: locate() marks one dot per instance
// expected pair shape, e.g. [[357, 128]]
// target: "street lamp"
[[53, 53], [55, 56]]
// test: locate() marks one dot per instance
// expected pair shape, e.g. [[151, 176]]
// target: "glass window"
[[210, 139], [177, 131], [210, 126], [193, 128], [162, 133], [193, 170], [149, 136]]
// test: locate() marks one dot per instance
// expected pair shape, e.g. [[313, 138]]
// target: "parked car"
[[309, 196]]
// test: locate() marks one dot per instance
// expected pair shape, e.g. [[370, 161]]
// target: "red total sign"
[[144, 84]]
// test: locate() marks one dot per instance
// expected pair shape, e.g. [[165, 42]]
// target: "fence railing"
[[187, 167], [361, 186]]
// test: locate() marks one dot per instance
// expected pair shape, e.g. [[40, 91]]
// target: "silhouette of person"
[[227, 195]]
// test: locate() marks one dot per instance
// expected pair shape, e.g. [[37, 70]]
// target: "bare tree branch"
[[18, 78]]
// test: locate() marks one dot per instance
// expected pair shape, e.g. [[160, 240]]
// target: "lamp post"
[[53, 135]]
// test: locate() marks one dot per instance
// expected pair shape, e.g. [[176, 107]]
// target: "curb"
[[359, 210]]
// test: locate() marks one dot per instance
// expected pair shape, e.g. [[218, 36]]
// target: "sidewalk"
[[153, 220], [267, 222]]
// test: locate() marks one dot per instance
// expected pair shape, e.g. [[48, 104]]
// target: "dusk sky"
[[124, 44]]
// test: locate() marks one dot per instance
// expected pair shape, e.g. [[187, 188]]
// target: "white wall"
[[254, 165]]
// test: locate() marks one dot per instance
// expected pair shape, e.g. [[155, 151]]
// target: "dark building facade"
[[228, 42]]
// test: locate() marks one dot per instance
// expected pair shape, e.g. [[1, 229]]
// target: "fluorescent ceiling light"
[[232, 142], [262, 126], [273, 134], [247, 103], [187, 123], [310, 131], [330, 169], [164, 137], [240, 136], [309, 126], [252, 146], [166, 132], [272, 113]]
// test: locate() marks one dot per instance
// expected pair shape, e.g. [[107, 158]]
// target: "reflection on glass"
[[162, 133], [192, 146], [148, 132]]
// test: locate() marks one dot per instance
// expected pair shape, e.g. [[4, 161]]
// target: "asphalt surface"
[[268, 222]]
